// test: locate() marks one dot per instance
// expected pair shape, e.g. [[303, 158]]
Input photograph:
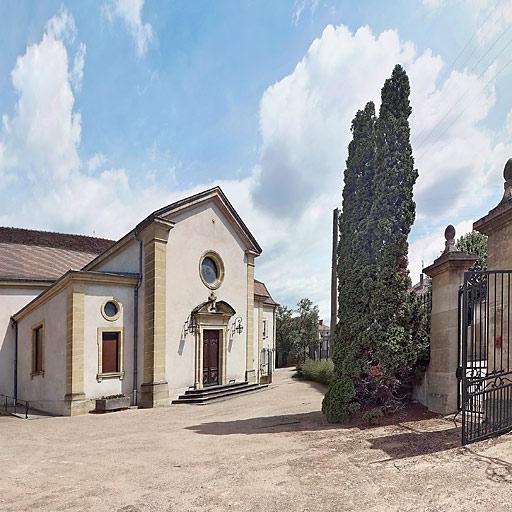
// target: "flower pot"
[[112, 404]]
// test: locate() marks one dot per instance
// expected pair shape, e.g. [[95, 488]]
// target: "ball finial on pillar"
[[507, 174], [449, 235]]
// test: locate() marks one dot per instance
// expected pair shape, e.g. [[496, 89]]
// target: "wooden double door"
[[211, 342]]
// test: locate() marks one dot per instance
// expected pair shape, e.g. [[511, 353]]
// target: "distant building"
[[324, 340]]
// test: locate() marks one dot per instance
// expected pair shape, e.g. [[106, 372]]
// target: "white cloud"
[[287, 200], [305, 128], [77, 72], [62, 26], [496, 18], [130, 12], [300, 6], [95, 162], [39, 155]]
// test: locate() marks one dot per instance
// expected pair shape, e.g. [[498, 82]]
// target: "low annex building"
[[173, 305]]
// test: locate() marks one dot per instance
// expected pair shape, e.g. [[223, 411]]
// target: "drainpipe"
[[15, 387], [136, 322]]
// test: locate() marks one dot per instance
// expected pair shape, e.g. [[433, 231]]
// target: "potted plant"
[[112, 403]]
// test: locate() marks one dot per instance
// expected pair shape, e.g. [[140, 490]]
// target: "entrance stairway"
[[211, 393]]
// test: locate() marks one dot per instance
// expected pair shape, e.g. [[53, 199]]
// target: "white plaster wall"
[[11, 301], [126, 260], [44, 391], [268, 314], [196, 232], [95, 296], [256, 336]]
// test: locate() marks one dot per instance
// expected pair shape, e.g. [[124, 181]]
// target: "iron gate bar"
[[484, 389]]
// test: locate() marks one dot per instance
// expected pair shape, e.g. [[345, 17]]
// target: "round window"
[[211, 270], [111, 310]]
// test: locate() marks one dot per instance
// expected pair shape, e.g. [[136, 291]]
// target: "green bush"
[[339, 402], [317, 371], [373, 416]]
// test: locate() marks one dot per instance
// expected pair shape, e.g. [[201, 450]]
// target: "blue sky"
[[113, 108]]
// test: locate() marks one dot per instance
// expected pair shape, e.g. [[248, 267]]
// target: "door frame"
[[222, 329], [219, 338]]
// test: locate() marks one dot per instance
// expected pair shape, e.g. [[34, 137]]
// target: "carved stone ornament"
[[507, 174], [449, 235]]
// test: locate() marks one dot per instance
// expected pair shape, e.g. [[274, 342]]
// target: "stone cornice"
[[26, 283], [76, 276], [497, 218], [455, 260]]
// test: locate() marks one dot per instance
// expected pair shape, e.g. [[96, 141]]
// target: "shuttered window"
[[110, 352]]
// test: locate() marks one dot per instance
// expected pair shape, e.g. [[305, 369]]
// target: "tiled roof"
[[261, 291], [41, 255]]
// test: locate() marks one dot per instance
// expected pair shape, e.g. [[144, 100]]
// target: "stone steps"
[[212, 393]]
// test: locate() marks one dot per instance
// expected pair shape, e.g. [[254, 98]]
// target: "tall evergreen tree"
[[355, 266], [382, 332], [392, 341]]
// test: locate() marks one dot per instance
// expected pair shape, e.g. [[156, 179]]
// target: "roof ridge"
[[40, 238]]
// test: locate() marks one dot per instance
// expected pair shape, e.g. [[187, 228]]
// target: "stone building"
[[170, 307]]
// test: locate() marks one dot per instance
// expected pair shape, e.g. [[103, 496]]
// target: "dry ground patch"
[[269, 451]]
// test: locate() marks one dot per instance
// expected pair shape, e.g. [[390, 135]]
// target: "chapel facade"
[[171, 306]]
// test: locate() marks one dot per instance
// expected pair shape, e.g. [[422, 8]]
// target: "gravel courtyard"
[[268, 451]]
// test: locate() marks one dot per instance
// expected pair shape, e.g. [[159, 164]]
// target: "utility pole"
[[334, 279]]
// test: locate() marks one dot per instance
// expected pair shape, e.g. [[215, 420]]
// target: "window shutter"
[[110, 352]]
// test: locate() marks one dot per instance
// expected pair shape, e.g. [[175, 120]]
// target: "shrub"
[[317, 371], [339, 401], [373, 416]]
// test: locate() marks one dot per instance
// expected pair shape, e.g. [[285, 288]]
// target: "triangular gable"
[[164, 213], [216, 194]]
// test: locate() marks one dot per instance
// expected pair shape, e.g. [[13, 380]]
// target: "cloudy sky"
[[112, 109]]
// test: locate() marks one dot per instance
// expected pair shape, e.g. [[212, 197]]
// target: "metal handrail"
[[4, 403]]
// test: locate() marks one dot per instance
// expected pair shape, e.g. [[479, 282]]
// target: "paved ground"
[[269, 451]]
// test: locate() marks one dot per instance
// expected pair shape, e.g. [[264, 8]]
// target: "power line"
[[491, 11], [462, 111]]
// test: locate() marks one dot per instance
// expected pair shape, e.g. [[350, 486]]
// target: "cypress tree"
[[355, 268], [392, 340]]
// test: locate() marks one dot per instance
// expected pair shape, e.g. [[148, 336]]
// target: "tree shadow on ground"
[[303, 422], [309, 421], [413, 443]]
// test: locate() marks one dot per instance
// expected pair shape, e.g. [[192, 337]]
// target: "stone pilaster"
[[155, 389], [250, 372], [447, 274], [75, 347]]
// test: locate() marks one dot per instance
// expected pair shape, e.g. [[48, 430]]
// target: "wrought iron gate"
[[485, 362]]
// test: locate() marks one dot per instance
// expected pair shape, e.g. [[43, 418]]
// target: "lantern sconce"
[[237, 326], [191, 325]]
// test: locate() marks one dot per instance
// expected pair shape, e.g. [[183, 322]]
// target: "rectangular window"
[[37, 350], [265, 329], [110, 352]]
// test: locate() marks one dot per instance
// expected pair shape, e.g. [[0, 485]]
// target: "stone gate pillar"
[[497, 225], [447, 274]]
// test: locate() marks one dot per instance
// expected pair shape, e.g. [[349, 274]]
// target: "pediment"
[[214, 307]]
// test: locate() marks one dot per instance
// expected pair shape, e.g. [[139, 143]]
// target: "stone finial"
[[507, 174], [449, 235]]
